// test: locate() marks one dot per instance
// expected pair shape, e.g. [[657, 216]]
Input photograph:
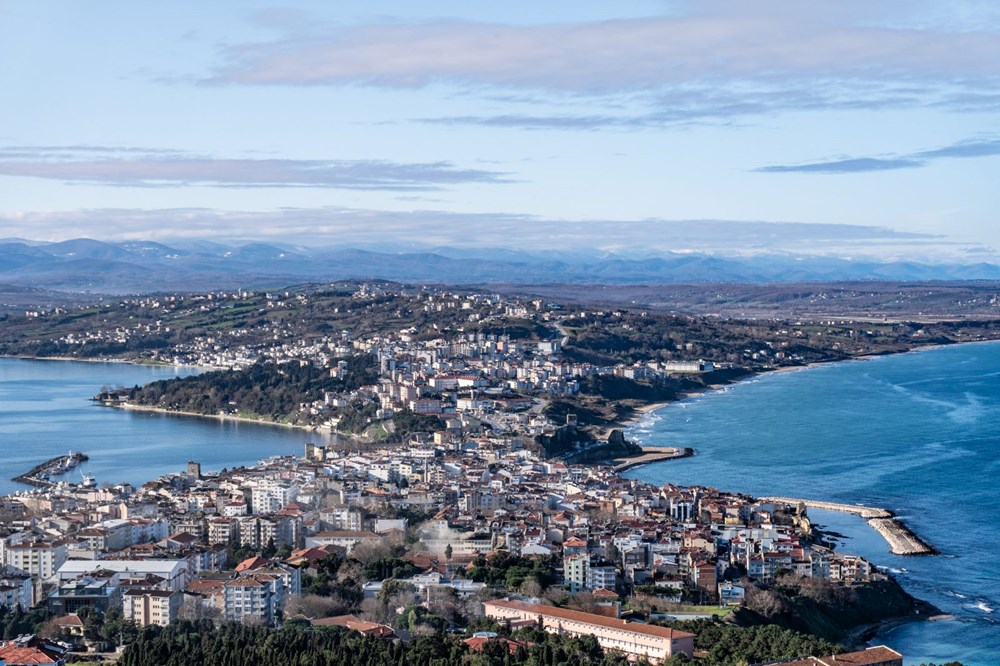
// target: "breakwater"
[[39, 474], [901, 540], [650, 456]]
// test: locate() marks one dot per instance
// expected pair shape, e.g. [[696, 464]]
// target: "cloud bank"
[[965, 149], [138, 167], [761, 56], [416, 230]]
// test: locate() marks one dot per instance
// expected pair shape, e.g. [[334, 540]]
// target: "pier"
[[901, 540], [39, 474], [651, 456]]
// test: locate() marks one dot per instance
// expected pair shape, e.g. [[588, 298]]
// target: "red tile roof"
[[600, 620]]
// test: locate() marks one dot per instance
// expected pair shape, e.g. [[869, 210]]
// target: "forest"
[[269, 390], [297, 644]]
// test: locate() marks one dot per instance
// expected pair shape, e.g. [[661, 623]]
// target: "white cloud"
[[428, 229], [768, 43], [136, 167]]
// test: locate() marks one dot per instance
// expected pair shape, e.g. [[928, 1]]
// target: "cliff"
[[830, 610]]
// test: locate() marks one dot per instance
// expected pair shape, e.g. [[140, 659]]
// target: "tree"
[[448, 551]]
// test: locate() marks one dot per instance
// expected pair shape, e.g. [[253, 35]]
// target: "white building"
[[345, 538], [269, 496], [145, 607], [16, 588], [174, 572], [40, 559]]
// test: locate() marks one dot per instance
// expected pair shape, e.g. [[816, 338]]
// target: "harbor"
[[41, 475], [901, 540]]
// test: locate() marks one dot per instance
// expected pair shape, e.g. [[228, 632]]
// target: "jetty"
[[901, 540], [39, 474], [651, 456]]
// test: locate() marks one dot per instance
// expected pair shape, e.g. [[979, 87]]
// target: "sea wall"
[[901, 540]]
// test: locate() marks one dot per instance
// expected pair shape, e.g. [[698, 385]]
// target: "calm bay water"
[[917, 433], [45, 411]]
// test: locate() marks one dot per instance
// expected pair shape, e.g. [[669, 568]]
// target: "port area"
[[40, 474], [901, 540]]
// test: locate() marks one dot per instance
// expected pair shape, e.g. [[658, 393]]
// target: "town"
[[466, 478], [439, 535]]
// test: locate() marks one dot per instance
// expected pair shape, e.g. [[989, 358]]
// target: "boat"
[[88, 481]]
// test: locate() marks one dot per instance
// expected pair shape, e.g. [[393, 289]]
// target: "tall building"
[[145, 606]]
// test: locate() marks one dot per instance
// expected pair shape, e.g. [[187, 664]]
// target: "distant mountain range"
[[86, 265]]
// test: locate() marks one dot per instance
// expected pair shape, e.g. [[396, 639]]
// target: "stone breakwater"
[[39, 474], [901, 540], [650, 456]]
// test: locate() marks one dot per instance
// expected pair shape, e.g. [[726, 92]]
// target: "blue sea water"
[[45, 411], [917, 433]]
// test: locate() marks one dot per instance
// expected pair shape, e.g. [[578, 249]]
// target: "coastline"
[[119, 361], [217, 417], [639, 412]]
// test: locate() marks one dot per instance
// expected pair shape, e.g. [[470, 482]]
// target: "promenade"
[[901, 540]]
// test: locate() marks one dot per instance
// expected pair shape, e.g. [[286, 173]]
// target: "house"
[[351, 622], [30, 650]]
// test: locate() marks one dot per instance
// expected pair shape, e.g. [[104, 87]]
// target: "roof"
[[476, 643], [206, 586], [591, 618], [141, 592], [355, 624], [872, 655], [252, 563], [30, 650], [135, 566], [70, 620], [868, 657], [25, 655]]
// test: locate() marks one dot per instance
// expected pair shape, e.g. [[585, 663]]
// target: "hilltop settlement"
[[457, 505]]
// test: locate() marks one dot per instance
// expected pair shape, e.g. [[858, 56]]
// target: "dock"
[[650, 456], [38, 475], [901, 540]]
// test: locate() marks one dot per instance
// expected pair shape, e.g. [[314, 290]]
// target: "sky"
[[844, 127]]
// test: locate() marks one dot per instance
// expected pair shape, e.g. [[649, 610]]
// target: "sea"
[[917, 433], [46, 411]]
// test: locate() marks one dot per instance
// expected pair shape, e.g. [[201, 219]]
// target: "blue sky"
[[828, 127]]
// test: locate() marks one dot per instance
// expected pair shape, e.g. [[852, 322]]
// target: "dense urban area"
[[471, 510]]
